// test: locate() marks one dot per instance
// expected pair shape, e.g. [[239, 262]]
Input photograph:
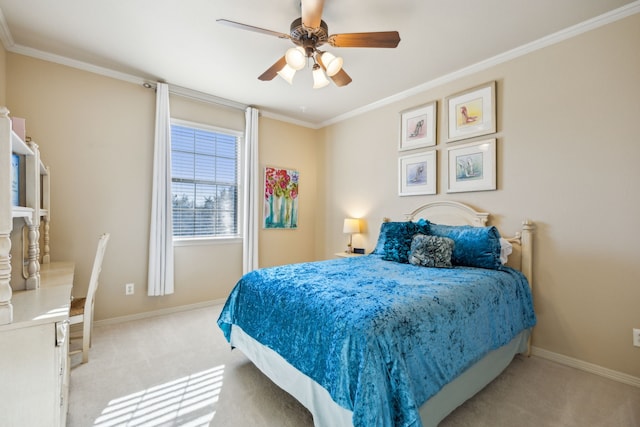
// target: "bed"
[[390, 338]]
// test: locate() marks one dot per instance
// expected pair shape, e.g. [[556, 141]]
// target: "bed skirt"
[[327, 413]]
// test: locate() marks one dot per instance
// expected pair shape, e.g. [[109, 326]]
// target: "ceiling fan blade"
[[252, 28], [311, 12], [341, 78], [377, 39], [273, 70]]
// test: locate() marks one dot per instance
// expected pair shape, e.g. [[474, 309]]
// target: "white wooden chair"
[[82, 308]]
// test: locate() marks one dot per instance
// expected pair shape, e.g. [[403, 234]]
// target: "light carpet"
[[178, 370]]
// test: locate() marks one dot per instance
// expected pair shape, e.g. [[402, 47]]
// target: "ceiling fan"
[[308, 33]]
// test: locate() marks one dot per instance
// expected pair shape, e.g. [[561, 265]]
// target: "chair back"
[[95, 273]]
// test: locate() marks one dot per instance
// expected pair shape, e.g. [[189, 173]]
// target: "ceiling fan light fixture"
[[308, 33], [287, 73], [319, 79], [332, 63], [296, 58]]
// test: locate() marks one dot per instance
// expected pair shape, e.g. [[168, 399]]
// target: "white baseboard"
[[586, 366], [535, 351], [160, 312]]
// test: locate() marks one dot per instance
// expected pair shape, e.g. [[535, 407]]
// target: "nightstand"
[[347, 255]]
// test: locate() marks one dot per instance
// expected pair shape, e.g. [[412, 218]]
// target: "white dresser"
[[34, 357]]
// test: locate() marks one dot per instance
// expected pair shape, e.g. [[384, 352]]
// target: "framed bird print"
[[418, 127], [472, 112]]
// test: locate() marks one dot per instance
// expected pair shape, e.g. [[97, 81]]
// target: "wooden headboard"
[[455, 213]]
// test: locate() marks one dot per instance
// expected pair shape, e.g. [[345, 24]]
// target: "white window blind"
[[204, 180]]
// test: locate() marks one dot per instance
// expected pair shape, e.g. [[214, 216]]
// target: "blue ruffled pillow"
[[397, 243], [382, 237], [424, 225], [431, 251], [394, 240], [474, 246]]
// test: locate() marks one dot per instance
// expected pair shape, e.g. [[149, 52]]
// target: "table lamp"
[[351, 226]]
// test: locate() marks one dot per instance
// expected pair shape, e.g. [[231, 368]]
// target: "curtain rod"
[[199, 96]]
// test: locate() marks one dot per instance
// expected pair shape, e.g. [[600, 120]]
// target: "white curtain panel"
[[161, 233], [251, 205]]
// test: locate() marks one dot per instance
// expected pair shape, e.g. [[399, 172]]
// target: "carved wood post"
[[526, 262], [32, 184], [527, 254], [46, 205], [6, 218], [33, 267]]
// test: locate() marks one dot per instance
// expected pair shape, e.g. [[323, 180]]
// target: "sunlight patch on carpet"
[[186, 402]]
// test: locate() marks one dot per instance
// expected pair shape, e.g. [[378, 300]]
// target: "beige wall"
[[3, 75], [96, 134], [292, 147], [567, 146], [567, 159]]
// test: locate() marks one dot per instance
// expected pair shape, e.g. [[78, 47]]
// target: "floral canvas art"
[[280, 198]]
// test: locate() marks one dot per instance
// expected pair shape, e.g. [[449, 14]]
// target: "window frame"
[[208, 240]]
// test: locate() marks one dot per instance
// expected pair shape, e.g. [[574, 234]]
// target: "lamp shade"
[[319, 79], [331, 63], [296, 58], [351, 225], [287, 73]]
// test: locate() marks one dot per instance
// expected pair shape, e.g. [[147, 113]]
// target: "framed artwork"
[[472, 166], [280, 198], [418, 127], [471, 113], [417, 174]]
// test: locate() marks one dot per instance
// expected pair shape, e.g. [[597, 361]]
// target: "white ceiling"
[[179, 41]]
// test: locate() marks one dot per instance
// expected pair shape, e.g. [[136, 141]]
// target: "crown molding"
[[567, 33], [107, 72], [598, 21], [287, 119], [205, 97], [5, 34], [84, 66]]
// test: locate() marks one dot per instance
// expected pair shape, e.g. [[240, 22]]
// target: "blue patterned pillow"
[[394, 241], [423, 226], [382, 237], [474, 246], [387, 228], [431, 251]]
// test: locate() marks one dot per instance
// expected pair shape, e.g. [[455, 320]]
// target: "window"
[[204, 180]]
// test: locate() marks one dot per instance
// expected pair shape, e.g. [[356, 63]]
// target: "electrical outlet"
[[636, 337], [129, 289]]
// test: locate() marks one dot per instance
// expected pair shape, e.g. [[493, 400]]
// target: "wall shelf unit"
[[34, 319], [34, 211]]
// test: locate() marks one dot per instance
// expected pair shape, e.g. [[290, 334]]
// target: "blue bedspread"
[[380, 336]]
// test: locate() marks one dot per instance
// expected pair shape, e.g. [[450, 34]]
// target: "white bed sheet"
[[327, 413]]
